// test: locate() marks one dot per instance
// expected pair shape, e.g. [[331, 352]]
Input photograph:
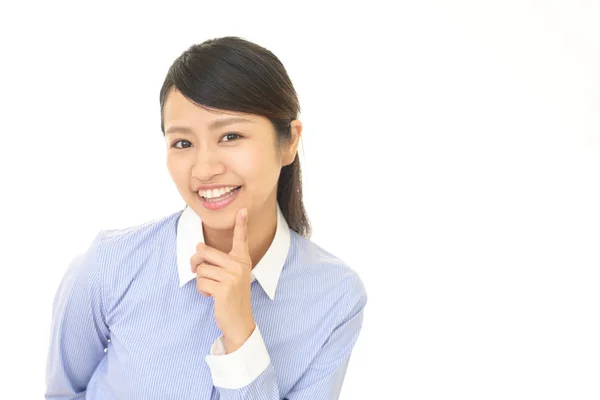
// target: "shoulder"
[[325, 273], [112, 246], [138, 233], [124, 241]]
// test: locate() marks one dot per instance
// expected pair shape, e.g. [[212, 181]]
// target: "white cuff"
[[240, 368]]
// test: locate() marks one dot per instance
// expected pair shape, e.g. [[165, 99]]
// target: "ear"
[[289, 152]]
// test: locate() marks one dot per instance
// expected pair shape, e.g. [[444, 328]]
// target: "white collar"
[[268, 269]]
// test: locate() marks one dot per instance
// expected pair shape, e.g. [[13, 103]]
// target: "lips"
[[221, 201], [217, 193], [213, 191]]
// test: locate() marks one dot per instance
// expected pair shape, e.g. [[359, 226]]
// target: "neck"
[[261, 231]]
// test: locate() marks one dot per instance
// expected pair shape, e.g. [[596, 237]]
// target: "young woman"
[[227, 298]]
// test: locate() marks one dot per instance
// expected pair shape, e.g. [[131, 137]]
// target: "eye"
[[228, 137], [180, 141]]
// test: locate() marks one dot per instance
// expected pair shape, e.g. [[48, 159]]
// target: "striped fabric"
[[123, 328]]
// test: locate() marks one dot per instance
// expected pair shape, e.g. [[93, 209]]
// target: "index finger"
[[240, 234]]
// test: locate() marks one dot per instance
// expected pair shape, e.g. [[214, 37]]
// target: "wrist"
[[232, 342]]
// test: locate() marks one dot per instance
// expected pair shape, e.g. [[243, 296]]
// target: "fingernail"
[[244, 212]]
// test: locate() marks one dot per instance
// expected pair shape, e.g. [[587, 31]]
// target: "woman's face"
[[229, 149]]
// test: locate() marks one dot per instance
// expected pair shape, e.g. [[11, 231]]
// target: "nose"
[[208, 164]]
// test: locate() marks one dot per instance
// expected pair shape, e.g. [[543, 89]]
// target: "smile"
[[217, 193], [218, 198]]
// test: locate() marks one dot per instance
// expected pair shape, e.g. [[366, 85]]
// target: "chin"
[[223, 219], [220, 222]]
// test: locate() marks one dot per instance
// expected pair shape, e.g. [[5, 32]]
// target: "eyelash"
[[227, 134]]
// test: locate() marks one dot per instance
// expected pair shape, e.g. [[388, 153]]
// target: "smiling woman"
[[271, 315], [208, 149]]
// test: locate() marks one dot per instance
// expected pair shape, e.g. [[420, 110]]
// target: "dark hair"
[[231, 73]]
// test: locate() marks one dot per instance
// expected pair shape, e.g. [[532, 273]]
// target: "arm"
[[248, 373], [324, 377], [79, 333]]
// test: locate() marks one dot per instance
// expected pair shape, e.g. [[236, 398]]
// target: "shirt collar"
[[268, 269]]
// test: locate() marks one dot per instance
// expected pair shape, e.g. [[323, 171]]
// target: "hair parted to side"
[[234, 74]]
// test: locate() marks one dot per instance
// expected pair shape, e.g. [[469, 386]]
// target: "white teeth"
[[210, 194]]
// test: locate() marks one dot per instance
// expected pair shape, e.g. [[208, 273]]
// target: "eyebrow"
[[212, 126]]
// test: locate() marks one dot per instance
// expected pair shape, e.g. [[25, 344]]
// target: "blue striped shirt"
[[128, 321]]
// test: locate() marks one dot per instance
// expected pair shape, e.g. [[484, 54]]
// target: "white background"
[[451, 156]]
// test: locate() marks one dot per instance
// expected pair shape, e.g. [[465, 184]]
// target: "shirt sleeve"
[[241, 367], [321, 381], [79, 333]]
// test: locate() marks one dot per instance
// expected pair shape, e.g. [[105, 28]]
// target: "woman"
[[269, 314]]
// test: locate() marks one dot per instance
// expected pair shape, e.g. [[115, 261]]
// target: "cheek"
[[254, 166], [178, 169]]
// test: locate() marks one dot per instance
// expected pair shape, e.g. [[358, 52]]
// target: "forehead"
[[177, 107]]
